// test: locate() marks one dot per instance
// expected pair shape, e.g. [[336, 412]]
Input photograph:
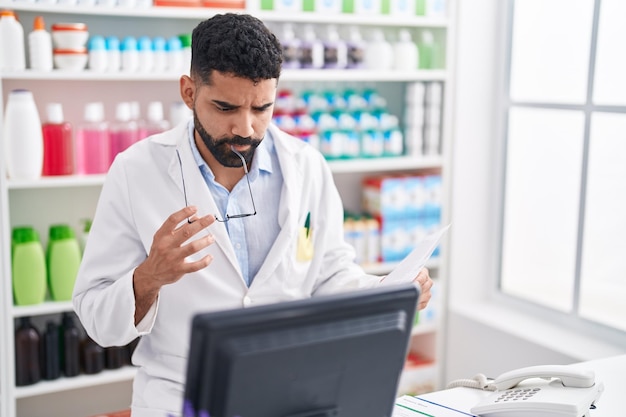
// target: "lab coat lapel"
[[199, 195], [290, 201]]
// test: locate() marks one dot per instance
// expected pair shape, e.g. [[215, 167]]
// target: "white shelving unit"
[[70, 199]]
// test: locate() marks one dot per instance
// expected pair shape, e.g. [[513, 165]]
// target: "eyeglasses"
[[228, 216]]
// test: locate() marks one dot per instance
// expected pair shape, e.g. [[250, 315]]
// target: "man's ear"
[[187, 90]]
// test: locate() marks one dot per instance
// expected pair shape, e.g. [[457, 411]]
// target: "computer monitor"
[[339, 355]]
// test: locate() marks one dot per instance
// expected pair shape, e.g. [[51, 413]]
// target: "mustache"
[[236, 140]]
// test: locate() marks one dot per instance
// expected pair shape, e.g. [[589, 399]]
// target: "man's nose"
[[243, 125]]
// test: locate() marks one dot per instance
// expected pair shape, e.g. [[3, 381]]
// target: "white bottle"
[[379, 53], [311, 49], [156, 122], [160, 54], [98, 56], [129, 54], [146, 54], [175, 55], [405, 54], [114, 56], [40, 46], [356, 48], [335, 49], [23, 136], [291, 46], [12, 50]]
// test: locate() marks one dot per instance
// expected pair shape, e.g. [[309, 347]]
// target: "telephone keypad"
[[517, 394]]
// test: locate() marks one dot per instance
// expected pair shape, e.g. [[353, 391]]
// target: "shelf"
[[344, 166], [47, 307], [198, 13], [385, 164], [108, 376], [58, 182], [329, 75], [57, 307]]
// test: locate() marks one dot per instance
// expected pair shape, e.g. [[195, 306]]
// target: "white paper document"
[[407, 270], [408, 406]]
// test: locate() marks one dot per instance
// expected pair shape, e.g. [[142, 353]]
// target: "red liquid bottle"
[[58, 145]]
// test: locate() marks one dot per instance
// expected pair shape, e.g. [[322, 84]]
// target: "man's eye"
[[224, 109]]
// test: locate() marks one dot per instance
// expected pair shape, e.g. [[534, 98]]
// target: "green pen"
[[307, 224]]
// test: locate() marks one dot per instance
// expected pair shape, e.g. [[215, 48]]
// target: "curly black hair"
[[237, 44]]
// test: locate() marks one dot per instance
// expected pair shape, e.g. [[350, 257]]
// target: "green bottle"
[[63, 257], [28, 267]]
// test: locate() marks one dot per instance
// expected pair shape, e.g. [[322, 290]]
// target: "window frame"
[[569, 320]]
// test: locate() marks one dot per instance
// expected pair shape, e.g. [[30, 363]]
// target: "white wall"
[[481, 335]]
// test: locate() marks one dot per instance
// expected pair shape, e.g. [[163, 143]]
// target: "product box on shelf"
[[407, 207]]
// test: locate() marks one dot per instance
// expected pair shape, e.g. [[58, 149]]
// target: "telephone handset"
[[542, 391]]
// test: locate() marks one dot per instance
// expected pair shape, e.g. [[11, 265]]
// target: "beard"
[[220, 148]]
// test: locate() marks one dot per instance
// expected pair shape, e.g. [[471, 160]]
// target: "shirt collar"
[[262, 160]]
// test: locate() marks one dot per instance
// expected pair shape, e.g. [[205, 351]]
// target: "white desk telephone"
[[541, 391]]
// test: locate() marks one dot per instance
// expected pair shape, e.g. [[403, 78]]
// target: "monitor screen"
[[338, 355]]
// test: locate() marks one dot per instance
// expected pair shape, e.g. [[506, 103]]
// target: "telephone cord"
[[479, 381]]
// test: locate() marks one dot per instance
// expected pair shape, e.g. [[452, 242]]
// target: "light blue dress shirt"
[[252, 237]]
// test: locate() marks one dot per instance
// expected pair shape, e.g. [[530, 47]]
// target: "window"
[[564, 208]]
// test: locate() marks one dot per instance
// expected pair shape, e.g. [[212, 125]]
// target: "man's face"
[[235, 112]]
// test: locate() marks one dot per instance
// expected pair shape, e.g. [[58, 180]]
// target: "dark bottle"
[[130, 349], [27, 353], [114, 357], [92, 356], [70, 347], [51, 357]]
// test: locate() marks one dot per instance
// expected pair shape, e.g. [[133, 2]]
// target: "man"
[[182, 227]]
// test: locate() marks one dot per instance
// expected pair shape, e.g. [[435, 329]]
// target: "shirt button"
[[238, 246], [247, 301]]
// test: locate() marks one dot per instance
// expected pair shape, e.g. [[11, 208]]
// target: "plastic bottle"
[[98, 56], [185, 41], [58, 144], [175, 58], [92, 142], [40, 46], [427, 50], [114, 55], [82, 240], [160, 54], [70, 346], [405, 53], [335, 49], [12, 50], [122, 133], [92, 356], [379, 53], [355, 48], [156, 122], [290, 45], [179, 113], [27, 359], [135, 116], [51, 366], [129, 54], [23, 136], [63, 256], [311, 49], [28, 263], [114, 357], [145, 54]]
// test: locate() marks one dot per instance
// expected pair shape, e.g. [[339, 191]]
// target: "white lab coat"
[[142, 188]]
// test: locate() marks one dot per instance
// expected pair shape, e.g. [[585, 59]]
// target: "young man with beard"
[[207, 216]]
